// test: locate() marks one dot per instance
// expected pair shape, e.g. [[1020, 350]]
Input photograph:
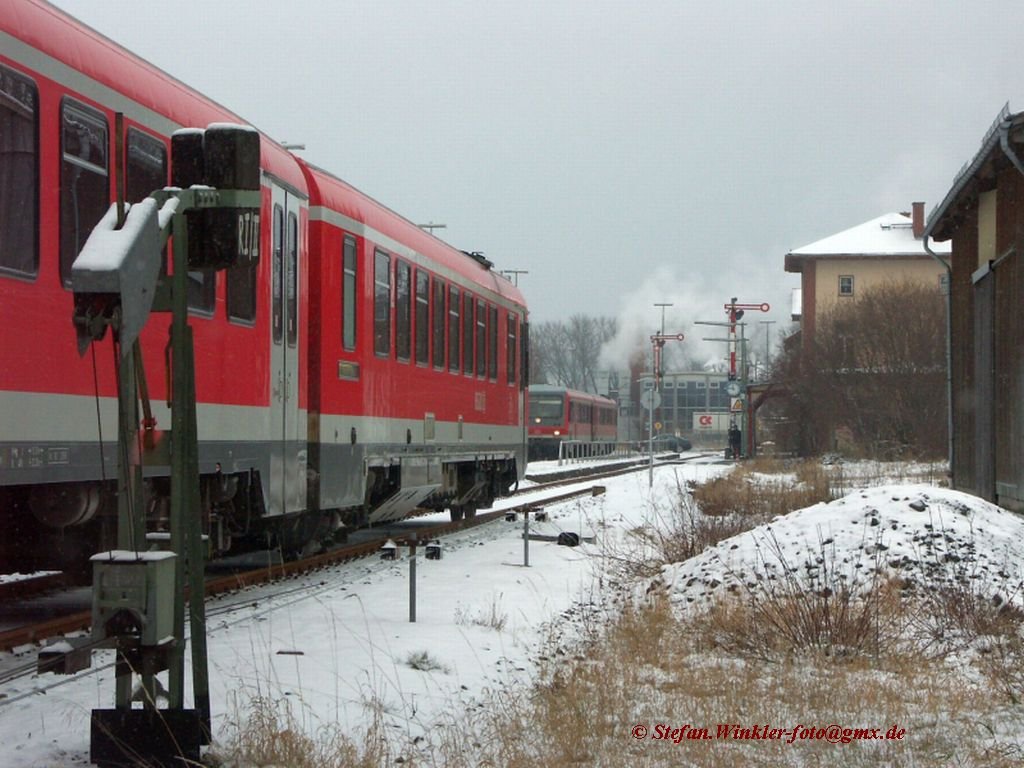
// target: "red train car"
[[417, 383], [316, 406], [558, 415]]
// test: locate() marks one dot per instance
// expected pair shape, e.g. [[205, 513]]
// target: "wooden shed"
[[983, 215]]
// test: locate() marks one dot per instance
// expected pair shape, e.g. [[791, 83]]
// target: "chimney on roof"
[[917, 220]]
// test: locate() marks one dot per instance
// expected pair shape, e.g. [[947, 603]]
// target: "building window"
[[19, 174], [846, 285], [986, 227], [381, 303], [422, 317], [84, 183]]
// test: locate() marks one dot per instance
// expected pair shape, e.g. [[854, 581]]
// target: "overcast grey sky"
[[624, 153]]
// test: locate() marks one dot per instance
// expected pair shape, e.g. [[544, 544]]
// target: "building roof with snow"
[[891, 235]]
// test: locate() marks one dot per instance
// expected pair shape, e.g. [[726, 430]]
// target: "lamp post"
[[767, 342]]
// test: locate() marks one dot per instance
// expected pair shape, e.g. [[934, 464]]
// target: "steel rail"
[[82, 620]]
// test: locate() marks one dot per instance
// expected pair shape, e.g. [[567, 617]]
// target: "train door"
[[287, 484]]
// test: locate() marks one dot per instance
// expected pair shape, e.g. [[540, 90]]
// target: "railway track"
[[37, 632], [81, 620]]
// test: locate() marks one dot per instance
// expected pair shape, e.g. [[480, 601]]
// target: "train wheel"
[[470, 511], [456, 513]]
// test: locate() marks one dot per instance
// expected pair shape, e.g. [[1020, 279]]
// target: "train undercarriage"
[[58, 526]]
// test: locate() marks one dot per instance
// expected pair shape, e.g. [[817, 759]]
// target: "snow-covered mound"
[[922, 535]]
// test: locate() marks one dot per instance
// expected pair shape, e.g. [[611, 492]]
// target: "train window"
[[381, 303], [468, 327], [439, 323], [277, 311], [546, 410], [19, 174], [453, 329], [202, 292], [145, 167], [84, 183], [492, 344], [241, 291], [348, 294], [481, 339], [510, 350], [240, 286], [422, 317], [145, 170], [293, 279], [403, 315], [524, 353]]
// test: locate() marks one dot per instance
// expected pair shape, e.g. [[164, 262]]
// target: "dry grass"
[[493, 617], [747, 491], [651, 668], [269, 736], [703, 515], [945, 664]]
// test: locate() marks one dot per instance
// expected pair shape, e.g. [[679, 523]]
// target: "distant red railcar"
[[558, 414], [357, 368]]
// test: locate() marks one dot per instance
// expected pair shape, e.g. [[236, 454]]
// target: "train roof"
[[94, 65], [335, 194], [575, 394]]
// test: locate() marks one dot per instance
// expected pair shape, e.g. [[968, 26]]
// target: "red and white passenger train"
[[559, 415], [358, 369]]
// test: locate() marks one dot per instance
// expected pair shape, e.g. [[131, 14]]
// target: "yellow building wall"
[[867, 273]]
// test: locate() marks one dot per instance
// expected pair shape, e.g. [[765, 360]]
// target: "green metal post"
[[179, 443], [186, 504], [131, 515], [194, 547]]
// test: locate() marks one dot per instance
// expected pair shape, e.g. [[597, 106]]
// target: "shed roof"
[[1006, 135]]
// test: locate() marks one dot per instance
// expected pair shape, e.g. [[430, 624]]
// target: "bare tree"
[[872, 377], [566, 353]]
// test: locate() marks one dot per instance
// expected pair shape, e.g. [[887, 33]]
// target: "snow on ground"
[[920, 533], [339, 646], [342, 646], [9, 578]]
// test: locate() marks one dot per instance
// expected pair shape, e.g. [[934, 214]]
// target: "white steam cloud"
[[638, 318]]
